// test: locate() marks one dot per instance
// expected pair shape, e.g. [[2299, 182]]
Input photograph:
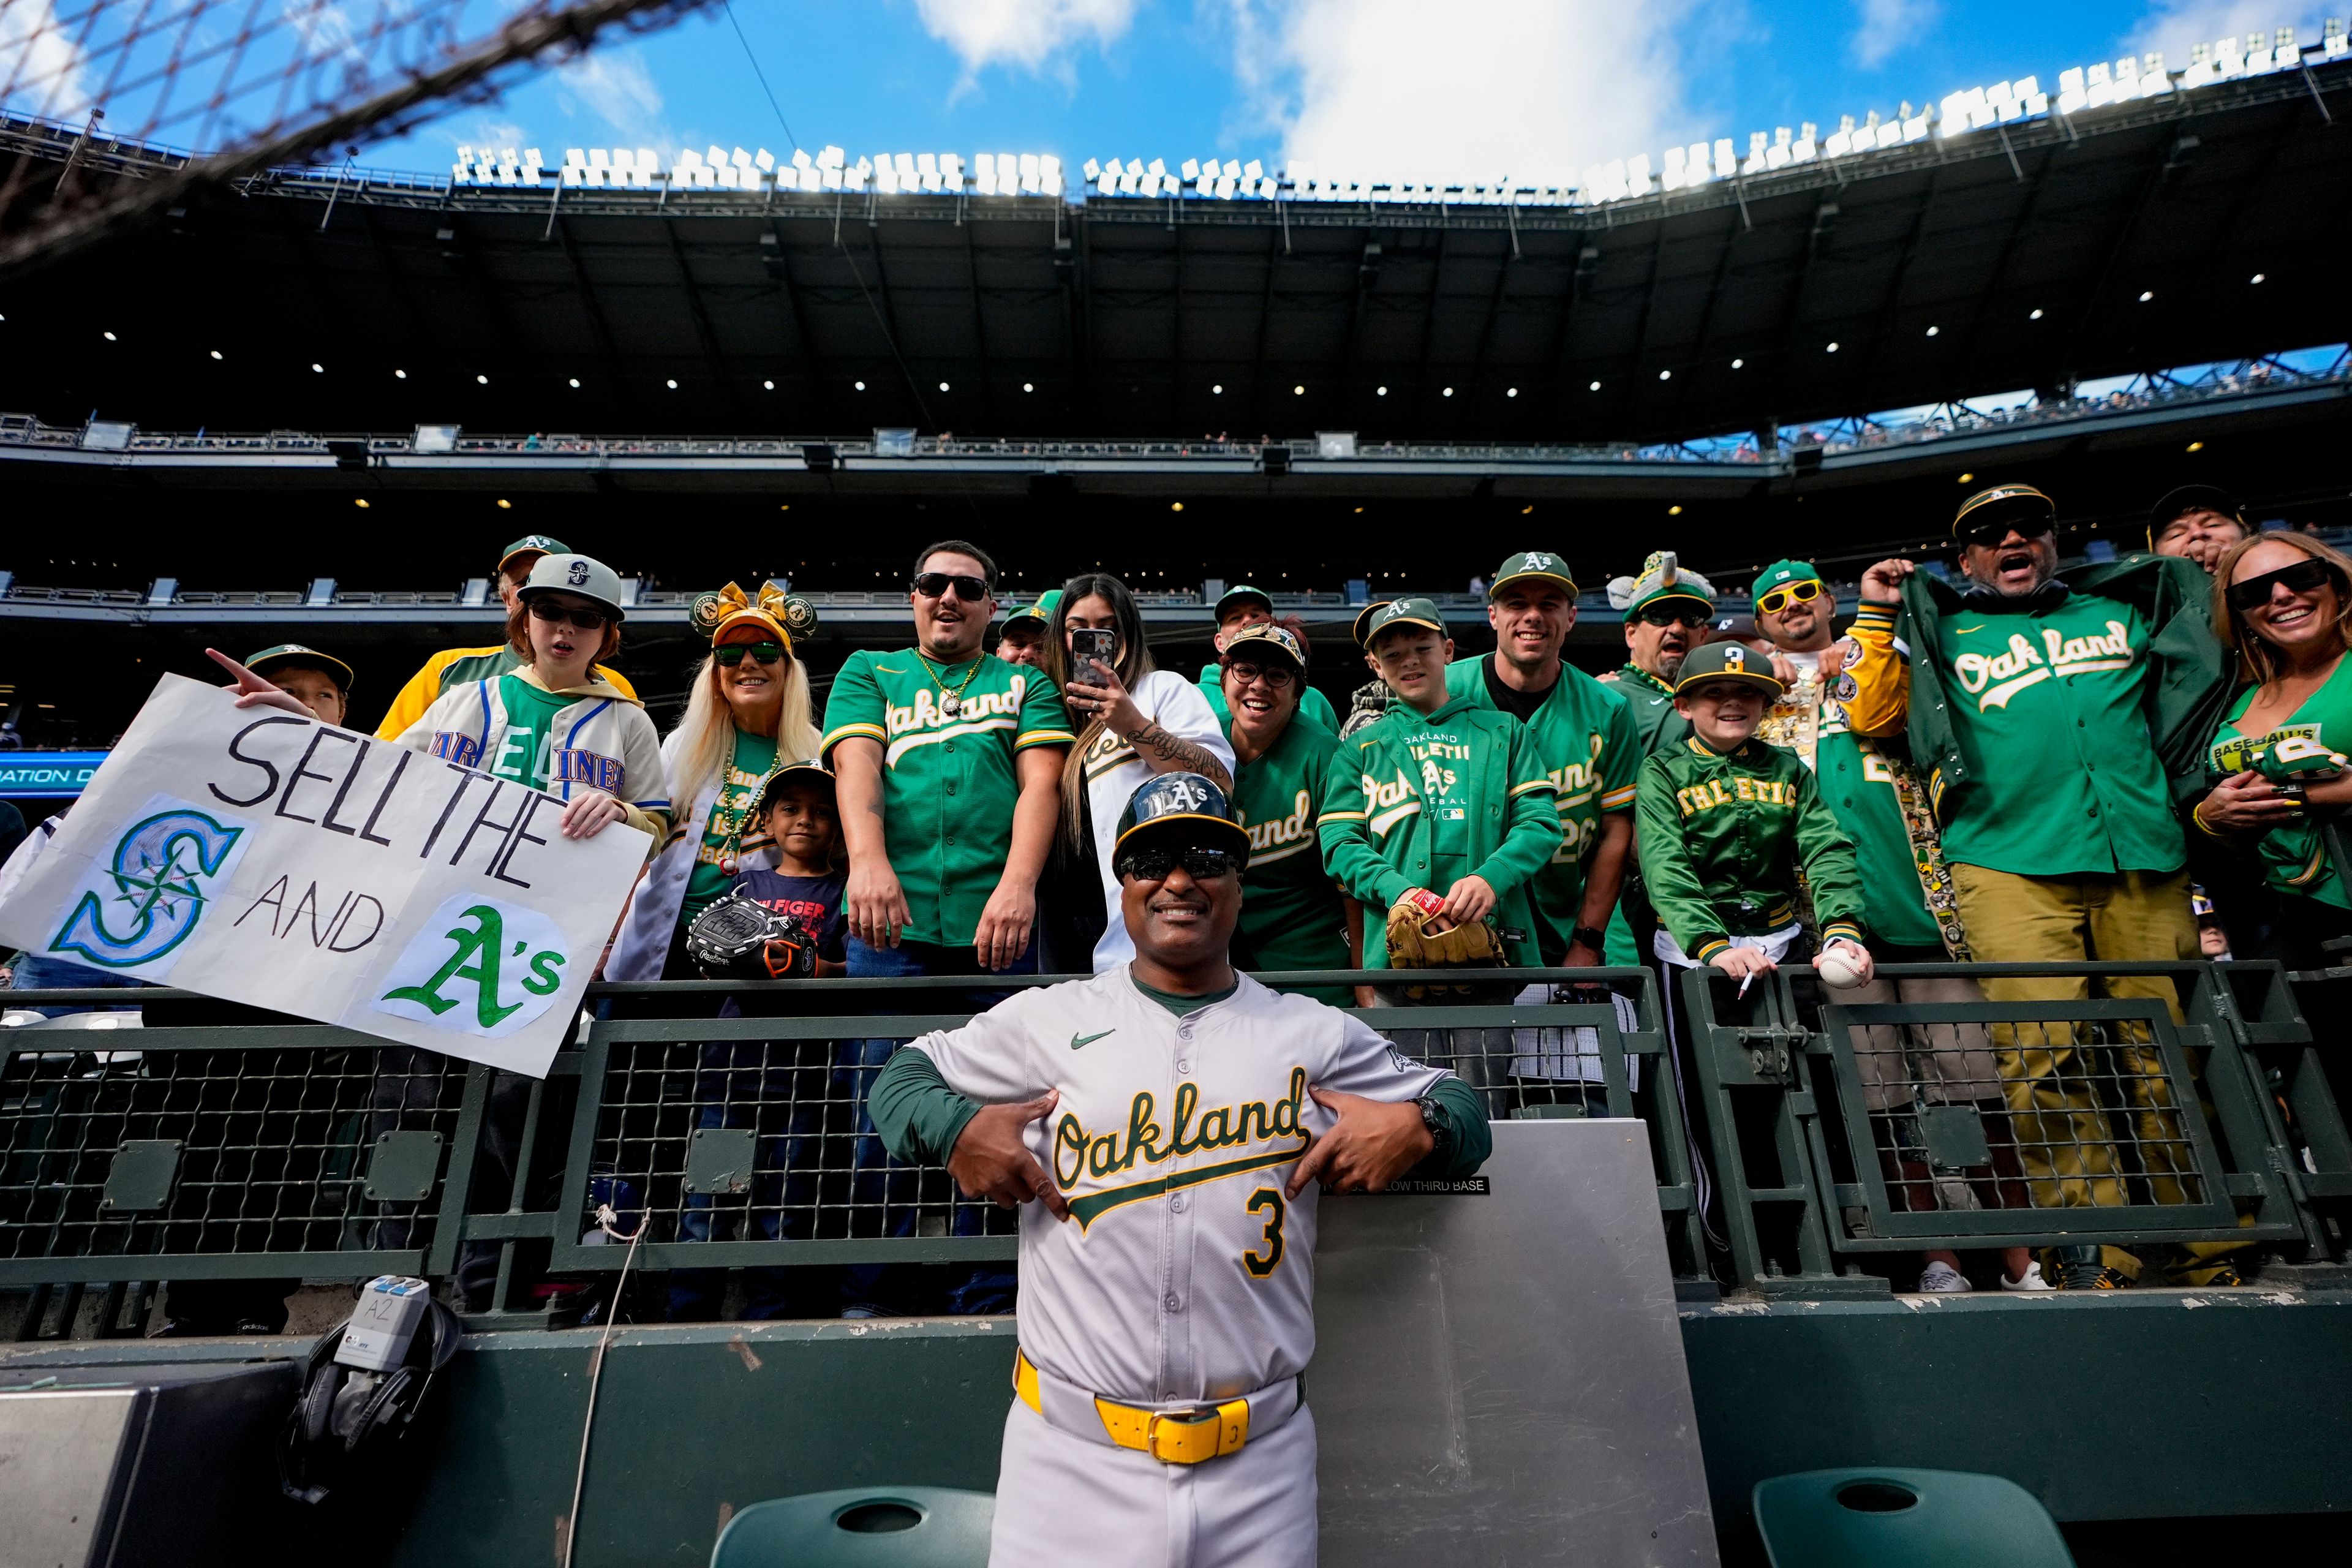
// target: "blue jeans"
[[778, 1089], [883, 1191], [38, 971]]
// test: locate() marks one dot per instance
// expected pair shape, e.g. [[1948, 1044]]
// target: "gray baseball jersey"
[[1184, 1272]]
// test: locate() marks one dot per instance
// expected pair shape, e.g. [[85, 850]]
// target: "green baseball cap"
[[1255, 640], [1729, 661], [536, 543], [1779, 574], [286, 653], [1413, 612], [1662, 576], [1041, 611], [1536, 563], [1243, 591], [1364, 620]]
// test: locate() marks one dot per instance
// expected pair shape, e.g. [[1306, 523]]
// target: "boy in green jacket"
[[1439, 797], [1726, 823]]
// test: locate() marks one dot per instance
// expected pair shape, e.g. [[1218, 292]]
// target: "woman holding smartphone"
[[1133, 721]]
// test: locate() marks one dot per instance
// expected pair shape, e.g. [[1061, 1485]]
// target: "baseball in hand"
[[1841, 967]]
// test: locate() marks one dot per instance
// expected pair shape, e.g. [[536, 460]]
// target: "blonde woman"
[[747, 715]]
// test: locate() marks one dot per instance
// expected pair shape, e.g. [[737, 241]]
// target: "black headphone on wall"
[[343, 1410]]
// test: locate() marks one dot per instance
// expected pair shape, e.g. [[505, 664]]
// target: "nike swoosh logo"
[[1077, 1041], [1978, 628]]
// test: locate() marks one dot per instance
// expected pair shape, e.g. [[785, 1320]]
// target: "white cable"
[[604, 1219]]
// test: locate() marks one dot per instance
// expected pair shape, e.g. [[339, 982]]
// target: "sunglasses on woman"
[[2306, 577], [935, 586], [1277, 676], [1200, 865], [731, 654], [1779, 599], [560, 616]]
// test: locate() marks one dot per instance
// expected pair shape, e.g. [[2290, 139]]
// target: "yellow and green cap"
[[1266, 634], [1041, 612], [1533, 563], [1781, 573], [1415, 611], [1727, 661], [1663, 576], [532, 544], [286, 653], [2003, 504]]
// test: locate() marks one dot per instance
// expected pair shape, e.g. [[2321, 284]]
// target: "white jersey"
[[1114, 773], [1183, 1273]]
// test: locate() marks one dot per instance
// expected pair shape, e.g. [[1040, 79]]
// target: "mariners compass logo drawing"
[[152, 892]]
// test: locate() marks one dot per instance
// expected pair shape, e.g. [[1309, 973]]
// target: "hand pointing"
[[253, 691], [990, 1161]]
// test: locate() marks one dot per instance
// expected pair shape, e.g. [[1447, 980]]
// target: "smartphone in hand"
[[1091, 645]]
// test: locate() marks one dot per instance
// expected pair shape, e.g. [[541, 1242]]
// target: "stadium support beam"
[[1588, 261], [1998, 279], [1825, 214], [703, 328], [1275, 251], [1901, 271], [1633, 365], [596, 322], [1731, 233], [888, 311], [804, 346], [414, 319], [1504, 256], [469, 262], [1427, 371], [2160, 167], [980, 330]]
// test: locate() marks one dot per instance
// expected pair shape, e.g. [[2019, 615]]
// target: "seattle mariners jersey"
[[583, 737], [949, 783], [1182, 1272], [454, 666]]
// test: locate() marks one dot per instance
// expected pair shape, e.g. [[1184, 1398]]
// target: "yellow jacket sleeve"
[[419, 694], [1881, 703]]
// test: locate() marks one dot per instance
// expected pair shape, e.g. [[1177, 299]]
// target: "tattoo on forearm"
[[1182, 753]]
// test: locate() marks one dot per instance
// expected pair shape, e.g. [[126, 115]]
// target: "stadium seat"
[[1920, 1519], [863, 1527]]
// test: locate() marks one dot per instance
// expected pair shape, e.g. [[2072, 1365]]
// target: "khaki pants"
[[2048, 1077]]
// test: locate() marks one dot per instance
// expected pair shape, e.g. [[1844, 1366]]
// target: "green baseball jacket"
[[1424, 800], [1722, 839]]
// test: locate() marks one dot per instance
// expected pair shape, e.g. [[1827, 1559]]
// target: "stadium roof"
[[2031, 254]]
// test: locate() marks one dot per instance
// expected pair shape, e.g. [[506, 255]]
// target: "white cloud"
[[1888, 25], [1476, 90], [615, 87], [1026, 33], [41, 70], [2176, 26]]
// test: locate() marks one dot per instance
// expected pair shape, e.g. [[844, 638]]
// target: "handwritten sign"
[[250, 854]]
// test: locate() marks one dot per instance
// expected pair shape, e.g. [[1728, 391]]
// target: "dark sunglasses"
[[557, 615], [1779, 599], [935, 586], [2302, 578], [731, 654], [1988, 534], [1664, 616], [1279, 677], [1202, 864]]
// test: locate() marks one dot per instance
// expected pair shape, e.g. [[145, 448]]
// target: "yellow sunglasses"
[[1779, 599]]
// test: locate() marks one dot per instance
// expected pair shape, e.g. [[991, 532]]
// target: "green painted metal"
[[1868, 1516], [861, 1527], [402, 1166], [139, 1178]]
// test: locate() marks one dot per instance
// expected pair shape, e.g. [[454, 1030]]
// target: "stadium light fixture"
[[1175, 506], [216, 353], [505, 505], [1933, 330], [359, 501], [858, 384], [1666, 376], [2146, 295], [109, 337], [575, 381], [318, 369], [673, 384], [1527, 509], [1510, 392], [1967, 478], [482, 381], [1449, 391], [1596, 386], [1738, 363], [1298, 391], [769, 385], [400, 376], [1380, 392], [1674, 511], [1833, 347], [943, 386], [1218, 390], [2255, 279], [1028, 387], [2196, 445], [2035, 314]]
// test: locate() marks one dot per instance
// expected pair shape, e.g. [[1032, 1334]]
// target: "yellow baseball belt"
[[1189, 1435]]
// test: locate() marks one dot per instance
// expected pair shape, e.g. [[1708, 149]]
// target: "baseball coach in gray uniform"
[[1164, 1128]]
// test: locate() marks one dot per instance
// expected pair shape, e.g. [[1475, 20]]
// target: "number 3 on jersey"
[[1261, 1264]]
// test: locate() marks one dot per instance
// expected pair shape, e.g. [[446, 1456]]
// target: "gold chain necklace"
[[950, 702], [733, 819]]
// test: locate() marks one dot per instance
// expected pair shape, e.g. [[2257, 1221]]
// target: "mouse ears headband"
[[788, 616]]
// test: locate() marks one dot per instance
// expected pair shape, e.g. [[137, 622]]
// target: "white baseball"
[[1839, 968]]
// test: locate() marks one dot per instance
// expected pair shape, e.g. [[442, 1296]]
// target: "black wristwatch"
[[1434, 1120], [1592, 937]]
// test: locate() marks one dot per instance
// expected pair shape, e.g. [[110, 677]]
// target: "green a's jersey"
[[948, 781], [1423, 800], [1652, 703], [1723, 837], [750, 760], [2052, 707], [1586, 743], [1858, 785], [2295, 858], [1313, 706], [1291, 911]]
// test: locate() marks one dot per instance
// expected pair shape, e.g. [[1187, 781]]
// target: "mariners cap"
[[582, 574], [1042, 612], [533, 543], [1258, 641], [1536, 563], [1779, 574], [2196, 498], [1413, 612], [2003, 503], [1180, 809], [1729, 661], [809, 768], [282, 654], [1239, 592], [1662, 576]]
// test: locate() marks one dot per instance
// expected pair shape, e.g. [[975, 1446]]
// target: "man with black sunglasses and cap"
[[2198, 522], [2061, 721], [1668, 608], [1163, 1129]]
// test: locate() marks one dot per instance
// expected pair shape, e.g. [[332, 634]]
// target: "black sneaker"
[[2092, 1275]]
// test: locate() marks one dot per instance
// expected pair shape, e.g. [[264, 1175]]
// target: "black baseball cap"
[[2196, 498], [1180, 809]]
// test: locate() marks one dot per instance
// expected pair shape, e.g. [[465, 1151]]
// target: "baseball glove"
[[1366, 706], [1412, 945], [739, 939]]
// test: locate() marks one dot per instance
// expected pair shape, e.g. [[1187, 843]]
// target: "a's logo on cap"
[[577, 575], [1538, 562], [1181, 795]]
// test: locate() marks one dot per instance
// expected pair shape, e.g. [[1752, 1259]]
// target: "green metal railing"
[[216, 1143], [1842, 1130]]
